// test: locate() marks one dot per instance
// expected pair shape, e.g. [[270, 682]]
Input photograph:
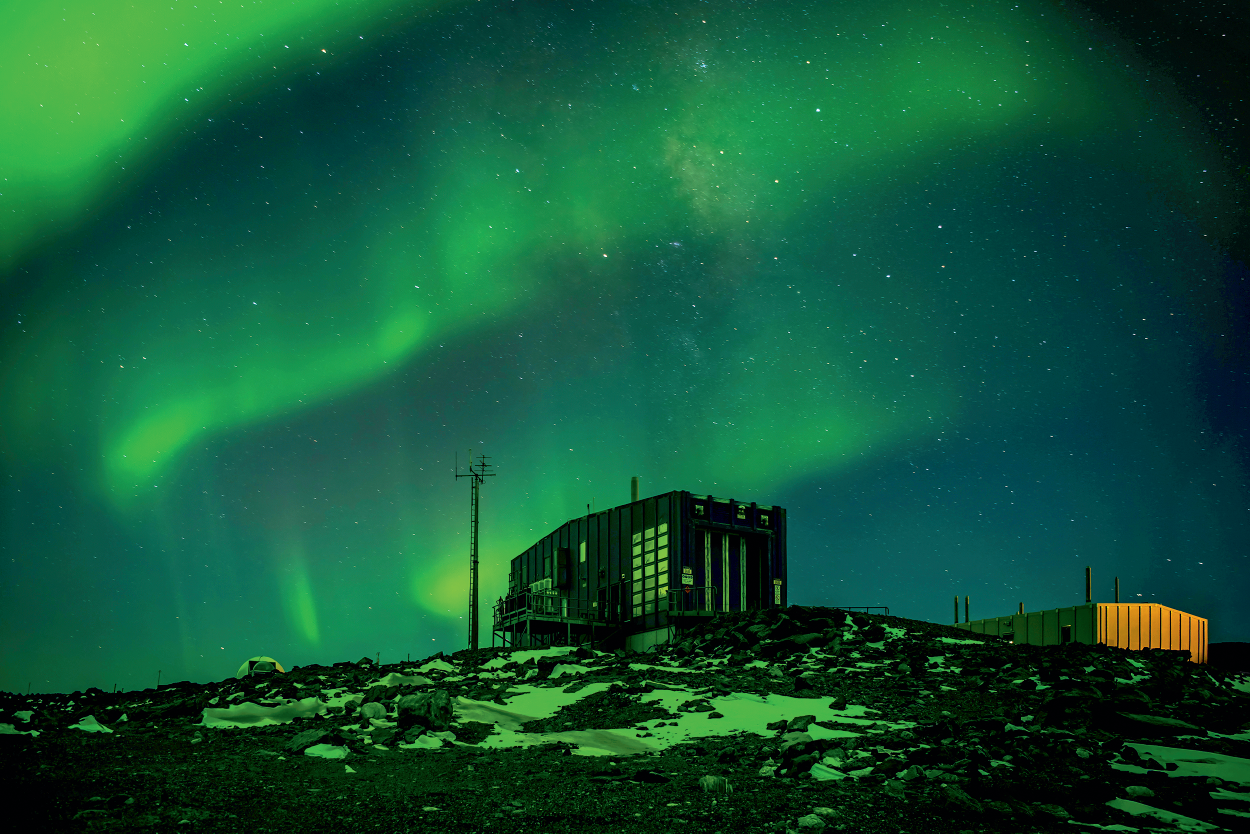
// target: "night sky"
[[962, 286]]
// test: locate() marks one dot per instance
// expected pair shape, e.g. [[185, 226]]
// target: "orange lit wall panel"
[[1127, 625], [1148, 625]]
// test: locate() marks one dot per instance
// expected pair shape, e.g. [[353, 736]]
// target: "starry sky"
[[962, 286]]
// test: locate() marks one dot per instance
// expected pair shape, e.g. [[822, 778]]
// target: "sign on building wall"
[[687, 577], [777, 592]]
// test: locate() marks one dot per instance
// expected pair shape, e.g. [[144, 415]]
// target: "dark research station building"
[[636, 574]]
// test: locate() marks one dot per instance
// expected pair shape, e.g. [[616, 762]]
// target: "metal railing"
[[519, 607], [691, 601], [523, 605]]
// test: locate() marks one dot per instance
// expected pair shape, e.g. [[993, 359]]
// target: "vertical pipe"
[[707, 570], [1022, 608], [1089, 584], [956, 609], [633, 489], [724, 571], [966, 620], [742, 572], [1117, 589]]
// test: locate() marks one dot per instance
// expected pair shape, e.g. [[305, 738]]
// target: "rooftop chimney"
[[1089, 584], [633, 488]]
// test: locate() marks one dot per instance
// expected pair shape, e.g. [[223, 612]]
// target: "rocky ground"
[[802, 720]]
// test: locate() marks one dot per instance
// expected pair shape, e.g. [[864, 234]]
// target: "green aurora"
[[272, 265]]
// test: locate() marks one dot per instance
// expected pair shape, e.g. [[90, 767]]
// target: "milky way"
[[947, 283]]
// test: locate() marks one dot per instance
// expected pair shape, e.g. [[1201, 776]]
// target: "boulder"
[[428, 710]]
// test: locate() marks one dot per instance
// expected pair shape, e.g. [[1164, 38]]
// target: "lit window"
[[662, 541], [637, 549], [637, 537], [649, 582], [650, 532], [699, 509], [581, 551], [650, 560], [763, 519], [638, 598], [663, 554], [637, 561], [663, 590], [649, 569], [663, 575], [637, 574], [663, 527], [637, 610], [649, 595]]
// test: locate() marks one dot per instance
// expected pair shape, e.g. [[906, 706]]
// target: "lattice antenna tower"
[[475, 505]]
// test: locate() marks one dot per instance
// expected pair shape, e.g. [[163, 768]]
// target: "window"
[[650, 533], [637, 537], [637, 562], [637, 549], [763, 519], [742, 512], [649, 569], [637, 574], [662, 541], [581, 552], [663, 528], [662, 555], [700, 510], [1065, 634]]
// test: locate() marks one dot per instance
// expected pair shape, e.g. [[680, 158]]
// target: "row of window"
[[650, 577], [700, 511], [651, 532], [651, 559], [651, 545], [649, 600]]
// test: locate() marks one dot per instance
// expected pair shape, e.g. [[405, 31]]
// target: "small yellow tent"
[[259, 665]]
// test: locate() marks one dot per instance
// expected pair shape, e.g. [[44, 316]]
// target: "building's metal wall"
[[1131, 625], [634, 555], [1136, 625]]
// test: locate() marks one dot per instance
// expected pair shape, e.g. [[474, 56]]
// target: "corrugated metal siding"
[[1138, 625], [717, 552], [1127, 625]]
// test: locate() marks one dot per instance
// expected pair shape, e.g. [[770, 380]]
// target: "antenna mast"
[[477, 475]]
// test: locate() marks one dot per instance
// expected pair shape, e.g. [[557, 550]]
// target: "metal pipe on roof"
[[1022, 608], [956, 609], [1117, 589], [1089, 584], [966, 620], [633, 489]]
